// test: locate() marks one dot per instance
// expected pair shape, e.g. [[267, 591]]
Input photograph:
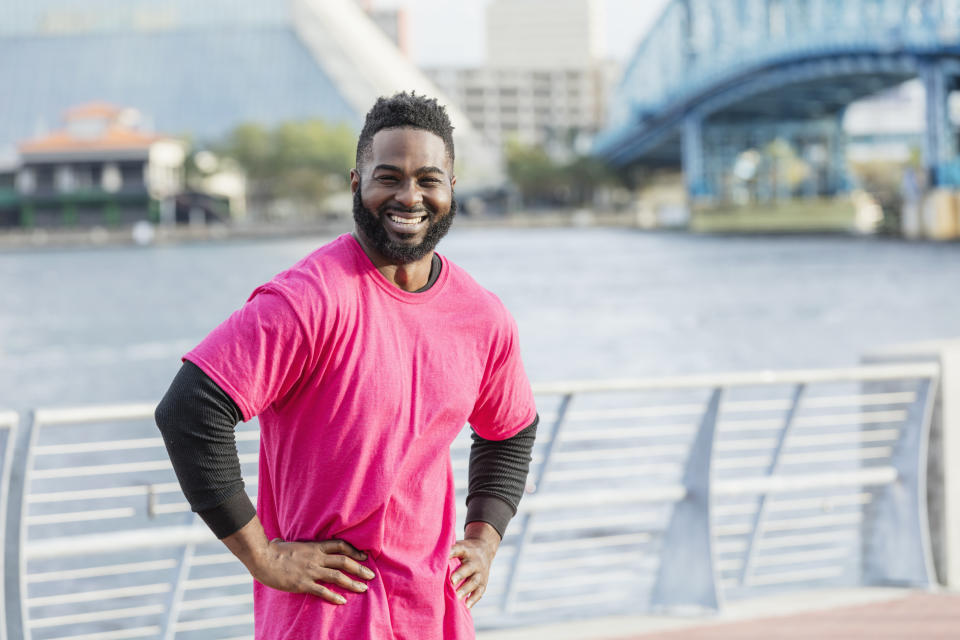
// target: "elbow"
[[165, 415], [161, 414]]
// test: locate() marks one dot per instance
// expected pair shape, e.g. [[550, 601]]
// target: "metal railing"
[[663, 494]]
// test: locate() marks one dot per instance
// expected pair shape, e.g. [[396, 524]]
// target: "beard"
[[371, 226]]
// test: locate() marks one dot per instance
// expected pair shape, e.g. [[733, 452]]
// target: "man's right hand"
[[298, 567]]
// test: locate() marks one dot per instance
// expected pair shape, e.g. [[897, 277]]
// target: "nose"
[[408, 194]]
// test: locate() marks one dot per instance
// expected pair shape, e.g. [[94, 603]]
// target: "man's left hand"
[[476, 552]]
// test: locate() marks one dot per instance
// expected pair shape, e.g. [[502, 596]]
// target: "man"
[[363, 362]]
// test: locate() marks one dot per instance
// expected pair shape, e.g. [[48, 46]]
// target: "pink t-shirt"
[[360, 388]]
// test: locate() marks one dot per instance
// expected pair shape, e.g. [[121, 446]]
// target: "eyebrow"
[[419, 172]]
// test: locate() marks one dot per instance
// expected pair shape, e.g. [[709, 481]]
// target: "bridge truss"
[[714, 78]]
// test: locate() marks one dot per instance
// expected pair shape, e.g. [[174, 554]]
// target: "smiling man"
[[363, 362]]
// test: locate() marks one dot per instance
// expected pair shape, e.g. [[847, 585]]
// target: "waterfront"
[[103, 325], [109, 324]]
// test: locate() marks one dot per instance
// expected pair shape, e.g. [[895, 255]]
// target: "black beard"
[[371, 226]]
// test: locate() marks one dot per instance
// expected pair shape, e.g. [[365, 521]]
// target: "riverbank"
[[148, 234], [788, 221]]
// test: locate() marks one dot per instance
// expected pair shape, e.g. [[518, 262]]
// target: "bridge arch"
[[739, 63]]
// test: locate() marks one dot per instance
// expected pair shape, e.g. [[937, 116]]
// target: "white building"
[[543, 81], [543, 34]]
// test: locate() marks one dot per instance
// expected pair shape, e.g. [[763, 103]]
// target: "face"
[[403, 194]]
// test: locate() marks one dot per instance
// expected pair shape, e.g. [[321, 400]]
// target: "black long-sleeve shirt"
[[197, 420]]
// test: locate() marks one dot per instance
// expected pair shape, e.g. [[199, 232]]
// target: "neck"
[[408, 276]]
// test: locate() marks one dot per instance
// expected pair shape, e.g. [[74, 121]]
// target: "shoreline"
[[147, 234]]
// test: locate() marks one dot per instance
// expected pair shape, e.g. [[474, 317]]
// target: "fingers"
[[314, 567], [466, 569], [470, 582], [470, 585], [474, 597], [340, 556], [350, 566], [472, 589], [332, 576], [322, 592], [342, 547]]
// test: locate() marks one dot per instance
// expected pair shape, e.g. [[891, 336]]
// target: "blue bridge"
[[715, 78]]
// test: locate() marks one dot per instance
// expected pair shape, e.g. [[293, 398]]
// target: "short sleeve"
[[257, 354], [505, 405]]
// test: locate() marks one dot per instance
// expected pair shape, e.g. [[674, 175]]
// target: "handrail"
[[83, 413], [69, 415], [742, 378], [660, 474]]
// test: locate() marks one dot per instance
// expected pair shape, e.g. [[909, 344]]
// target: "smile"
[[406, 221]]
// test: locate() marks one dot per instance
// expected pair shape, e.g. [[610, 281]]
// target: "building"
[[201, 68], [543, 81], [542, 34], [560, 109], [392, 22], [101, 167]]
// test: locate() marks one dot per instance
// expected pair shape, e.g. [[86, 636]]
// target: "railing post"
[[687, 575], [526, 529], [751, 552], [8, 431], [14, 534], [897, 551], [176, 598]]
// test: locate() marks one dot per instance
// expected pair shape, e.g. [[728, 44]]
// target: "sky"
[[450, 32]]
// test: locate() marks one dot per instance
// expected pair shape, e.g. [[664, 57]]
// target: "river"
[[104, 325]]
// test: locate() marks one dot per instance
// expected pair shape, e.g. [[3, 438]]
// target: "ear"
[[354, 180], [453, 181]]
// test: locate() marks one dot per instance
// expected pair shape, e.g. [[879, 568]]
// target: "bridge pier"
[[694, 168], [820, 143], [938, 147], [837, 172]]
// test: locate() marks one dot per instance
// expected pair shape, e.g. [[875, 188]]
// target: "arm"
[[498, 473], [197, 420]]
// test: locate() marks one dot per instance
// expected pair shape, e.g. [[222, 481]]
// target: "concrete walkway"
[[844, 614]]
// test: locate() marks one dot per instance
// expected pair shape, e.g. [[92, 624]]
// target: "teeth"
[[407, 221]]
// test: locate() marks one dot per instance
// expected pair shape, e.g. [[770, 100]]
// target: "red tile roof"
[[103, 110], [112, 138], [116, 134]]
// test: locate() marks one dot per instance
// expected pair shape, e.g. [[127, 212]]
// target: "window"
[[63, 179]]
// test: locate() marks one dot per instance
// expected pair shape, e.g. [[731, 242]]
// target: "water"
[[108, 325]]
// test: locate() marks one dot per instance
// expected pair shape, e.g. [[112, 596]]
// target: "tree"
[[299, 162], [543, 181]]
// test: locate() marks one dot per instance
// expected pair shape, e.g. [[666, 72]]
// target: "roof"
[[103, 110], [114, 138]]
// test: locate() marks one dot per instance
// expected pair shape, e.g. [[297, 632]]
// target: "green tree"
[[302, 162], [542, 180], [534, 173]]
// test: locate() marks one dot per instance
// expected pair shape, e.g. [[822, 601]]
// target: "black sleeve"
[[197, 419], [498, 476]]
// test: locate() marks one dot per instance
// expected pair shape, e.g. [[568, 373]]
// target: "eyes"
[[425, 181]]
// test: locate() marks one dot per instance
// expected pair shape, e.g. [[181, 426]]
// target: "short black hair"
[[405, 110]]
